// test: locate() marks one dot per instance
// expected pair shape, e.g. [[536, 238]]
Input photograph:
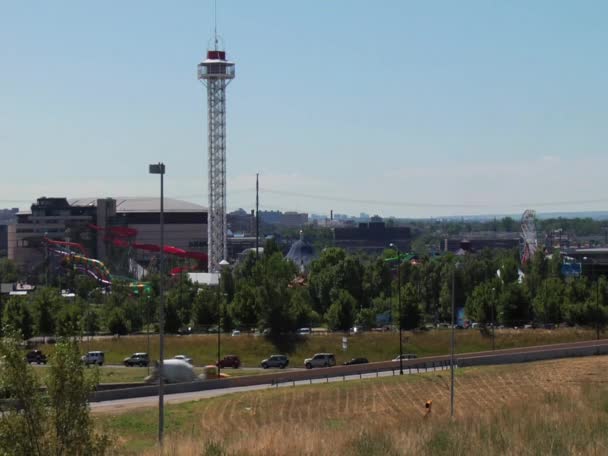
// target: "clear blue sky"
[[442, 107]]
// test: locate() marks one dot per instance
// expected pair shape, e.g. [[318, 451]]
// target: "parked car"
[[406, 356], [304, 331], [183, 358], [93, 357], [236, 332], [275, 361], [137, 359], [320, 360], [36, 356], [229, 361], [356, 361]]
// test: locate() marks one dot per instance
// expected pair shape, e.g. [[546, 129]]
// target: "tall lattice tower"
[[216, 72]]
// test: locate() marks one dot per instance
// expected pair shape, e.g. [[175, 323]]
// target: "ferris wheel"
[[528, 242]]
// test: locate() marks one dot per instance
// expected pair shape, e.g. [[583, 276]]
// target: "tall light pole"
[[400, 309], [453, 341], [493, 323], [159, 168], [222, 265]]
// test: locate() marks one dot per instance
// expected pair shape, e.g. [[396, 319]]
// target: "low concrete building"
[[474, 242], [372, 237]]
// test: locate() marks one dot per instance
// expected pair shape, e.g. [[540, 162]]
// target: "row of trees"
[[341, 290]]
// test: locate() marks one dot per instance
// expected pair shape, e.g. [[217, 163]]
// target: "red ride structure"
[[125, 237]]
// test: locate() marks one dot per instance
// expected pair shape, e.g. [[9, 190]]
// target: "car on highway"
[[229, 361], [93, 357], [36, 356], [280, 361], [320, 360], [406, 356], [137, 359], [183, 358], [356, 361]]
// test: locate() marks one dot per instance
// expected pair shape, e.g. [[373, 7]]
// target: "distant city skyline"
[[395, 108]]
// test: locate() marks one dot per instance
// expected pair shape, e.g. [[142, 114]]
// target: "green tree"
[[9, 271], [69, 320], [117, 322], [18, 316], [482, 303], [134, 313], [410, 313], [172, 319], [509, 272], [91, 320], [513, 305], [205, 306], [51, 422], [84, 286], [548, 302], [46, 303], [341, 313], [366, 318], [322, 278], [301, 307], [245, 307], [275, 313]]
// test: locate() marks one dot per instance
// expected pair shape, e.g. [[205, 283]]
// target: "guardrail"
[[505, 356]]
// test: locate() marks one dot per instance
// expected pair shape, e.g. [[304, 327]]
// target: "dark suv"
[[137, 359], [356, 361], [229, 361], [36, 356], [275, 361]]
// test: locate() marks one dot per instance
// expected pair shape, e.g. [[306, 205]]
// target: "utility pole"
[[394, 246], [493, 322], [452, 348], [257, 214]]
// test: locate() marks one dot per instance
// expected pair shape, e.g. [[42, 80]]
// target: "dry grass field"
[[552, 407]]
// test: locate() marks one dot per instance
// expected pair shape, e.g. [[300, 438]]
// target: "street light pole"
[[452, 344], [219, 324], [493, 322], [223, 264], [160, 169], [400, 309]]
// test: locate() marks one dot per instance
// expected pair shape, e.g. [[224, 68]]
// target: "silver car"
[[183, 358], [320, 360]]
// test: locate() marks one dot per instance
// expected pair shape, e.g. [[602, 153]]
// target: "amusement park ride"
[[528, 241], [73, 256]]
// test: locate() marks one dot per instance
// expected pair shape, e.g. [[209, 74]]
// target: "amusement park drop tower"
[[216, 72]]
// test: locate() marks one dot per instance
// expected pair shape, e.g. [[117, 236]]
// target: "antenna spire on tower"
[[215, 24]]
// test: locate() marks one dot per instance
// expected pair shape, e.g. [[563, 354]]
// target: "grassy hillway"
[[374, 346], [543, 408]]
